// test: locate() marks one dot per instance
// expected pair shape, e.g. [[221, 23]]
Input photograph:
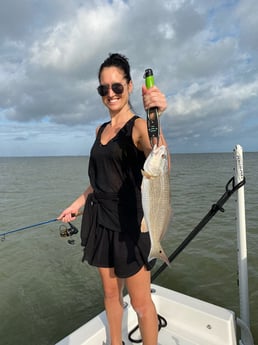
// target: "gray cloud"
[[204, 55]]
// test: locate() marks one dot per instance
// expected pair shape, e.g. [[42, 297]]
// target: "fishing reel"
[[68, 232]]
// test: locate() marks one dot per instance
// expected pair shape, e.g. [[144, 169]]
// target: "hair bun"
[[117, 60]]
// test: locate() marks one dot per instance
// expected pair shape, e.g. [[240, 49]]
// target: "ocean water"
[[46, 292]]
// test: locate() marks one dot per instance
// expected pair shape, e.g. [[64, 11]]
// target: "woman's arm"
[[71, 211]]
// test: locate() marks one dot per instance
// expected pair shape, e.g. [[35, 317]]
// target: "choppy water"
[[45, 290]]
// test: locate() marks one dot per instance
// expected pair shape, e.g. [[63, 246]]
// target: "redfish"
[[156, 202]]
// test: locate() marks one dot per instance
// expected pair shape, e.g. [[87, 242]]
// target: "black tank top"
[[115, 176], [116, 166]]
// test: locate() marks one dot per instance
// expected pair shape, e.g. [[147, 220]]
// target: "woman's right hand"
[[71, 212], [68, 215]]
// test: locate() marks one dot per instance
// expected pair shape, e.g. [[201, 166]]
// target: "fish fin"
[[145, 174], [144, 227]]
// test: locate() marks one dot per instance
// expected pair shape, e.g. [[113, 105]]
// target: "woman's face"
[[115, 102]]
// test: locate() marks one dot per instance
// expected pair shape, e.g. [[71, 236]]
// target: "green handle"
[[149, 78]]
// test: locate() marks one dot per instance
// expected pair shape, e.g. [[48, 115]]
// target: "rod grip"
[[152, 113]]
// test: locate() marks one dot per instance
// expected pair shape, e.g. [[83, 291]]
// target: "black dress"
[[111, 224]]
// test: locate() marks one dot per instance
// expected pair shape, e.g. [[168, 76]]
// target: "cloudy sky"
[[204, 55]]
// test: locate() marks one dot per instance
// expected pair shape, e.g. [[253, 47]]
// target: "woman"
[[113, 235]]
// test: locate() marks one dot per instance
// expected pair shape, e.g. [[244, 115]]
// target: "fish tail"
[[158, 253]]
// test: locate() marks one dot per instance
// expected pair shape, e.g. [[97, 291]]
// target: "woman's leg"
[[138, 287], [113, 301]]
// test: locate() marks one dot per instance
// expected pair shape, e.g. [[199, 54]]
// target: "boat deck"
[[189, 322]]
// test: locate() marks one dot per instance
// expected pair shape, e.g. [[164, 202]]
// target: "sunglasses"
[[117, 88]]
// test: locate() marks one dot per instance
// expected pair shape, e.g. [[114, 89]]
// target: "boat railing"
[[235, 184]]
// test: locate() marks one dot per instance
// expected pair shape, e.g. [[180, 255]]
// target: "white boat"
[[185, 320], [189, 322]]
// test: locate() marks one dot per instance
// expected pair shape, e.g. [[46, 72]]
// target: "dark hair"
[[119, 61]]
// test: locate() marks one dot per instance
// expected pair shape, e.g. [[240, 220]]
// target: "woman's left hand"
[[153, 97]]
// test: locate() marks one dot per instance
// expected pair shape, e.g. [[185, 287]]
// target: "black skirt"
[[125, 251]]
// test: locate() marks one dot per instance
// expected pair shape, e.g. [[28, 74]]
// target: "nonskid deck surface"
[[166, 337], [189, 322]]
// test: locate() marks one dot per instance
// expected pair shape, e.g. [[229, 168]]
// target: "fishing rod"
[[64, 230], [4, 234], [231, 187], [153, 125]]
